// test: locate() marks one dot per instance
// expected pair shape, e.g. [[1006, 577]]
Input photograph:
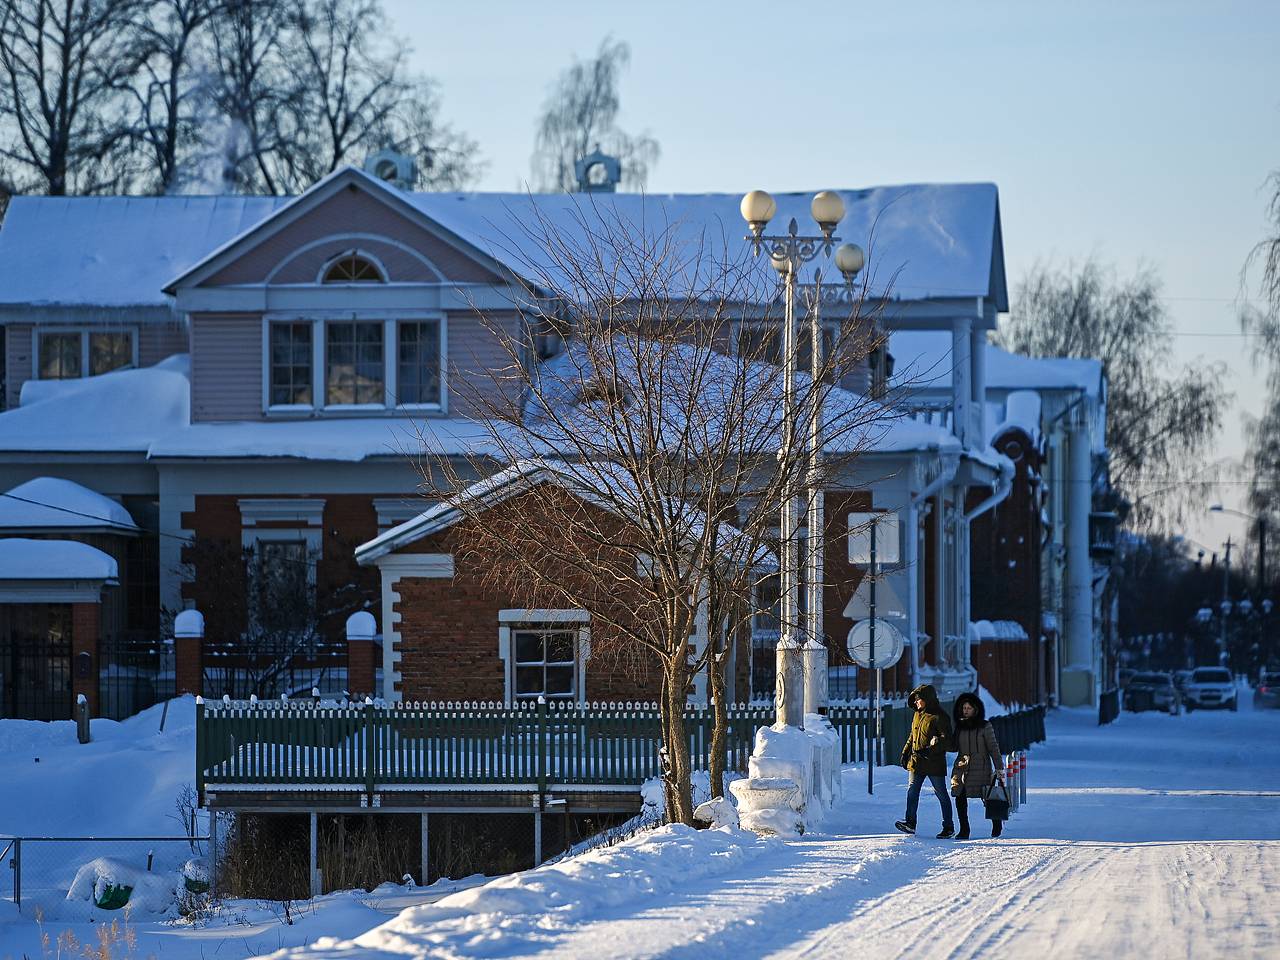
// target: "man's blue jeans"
[[939, 784]]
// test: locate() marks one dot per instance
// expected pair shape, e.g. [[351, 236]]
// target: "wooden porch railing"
[[378, 747]]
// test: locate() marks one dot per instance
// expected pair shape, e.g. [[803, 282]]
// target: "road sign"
[[889, 644]]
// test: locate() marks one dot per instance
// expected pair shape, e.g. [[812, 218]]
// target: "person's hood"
[[930, 697], [979, 710]]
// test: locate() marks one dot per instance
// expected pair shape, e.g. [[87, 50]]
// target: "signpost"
[[867, 653]]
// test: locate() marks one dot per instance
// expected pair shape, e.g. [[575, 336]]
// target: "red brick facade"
[[1005, 577]]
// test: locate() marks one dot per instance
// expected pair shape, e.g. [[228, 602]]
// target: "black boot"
[[947, 833], [906, 826], [962, 811], [997, 827]]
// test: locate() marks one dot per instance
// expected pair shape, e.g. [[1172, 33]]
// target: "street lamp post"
[[788, 253], [1261, 521]]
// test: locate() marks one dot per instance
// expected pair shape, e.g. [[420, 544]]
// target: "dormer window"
[[354, 365], [353, 268]]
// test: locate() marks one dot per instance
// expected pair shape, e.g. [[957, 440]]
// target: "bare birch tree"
[[580, 114], [1161, 420], [666, 437], [1262, 459]]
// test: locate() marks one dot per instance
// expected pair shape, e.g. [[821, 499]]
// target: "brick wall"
[[449, 627], [85, 631], [1005, 575]]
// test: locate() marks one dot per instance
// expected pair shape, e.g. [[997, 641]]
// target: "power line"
[[135, 528]]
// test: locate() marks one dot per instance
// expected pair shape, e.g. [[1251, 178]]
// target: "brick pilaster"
[[86, 625]]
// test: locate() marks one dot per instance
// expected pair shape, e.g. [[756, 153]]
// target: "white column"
[[961, 379], [978, 386], [1077, 670]]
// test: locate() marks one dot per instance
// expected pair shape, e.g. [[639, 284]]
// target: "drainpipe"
[[1004, 484], [950, 463]]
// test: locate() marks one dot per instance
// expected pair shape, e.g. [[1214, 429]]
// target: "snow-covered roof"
[[53, 502], [350, 440], [922, 361], [123, 411], [24, 559], [705, 384], [607, 487], [113, 251], [923, 240]]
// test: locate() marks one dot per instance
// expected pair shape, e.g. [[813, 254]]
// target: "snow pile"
[[120, 411], [151, 892], [794, 778], [519, 914]]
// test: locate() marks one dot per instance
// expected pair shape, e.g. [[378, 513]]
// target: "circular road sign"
[[889, 644]]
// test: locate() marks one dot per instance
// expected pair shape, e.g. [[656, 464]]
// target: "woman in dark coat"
[[978, 759]]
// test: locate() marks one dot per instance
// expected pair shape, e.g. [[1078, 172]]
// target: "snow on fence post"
[[82, 718], [361, 648]]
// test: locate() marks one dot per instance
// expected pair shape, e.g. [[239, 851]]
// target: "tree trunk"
[[679, 774], [717, 762]]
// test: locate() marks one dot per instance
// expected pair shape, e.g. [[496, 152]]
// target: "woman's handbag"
[[995, 801]]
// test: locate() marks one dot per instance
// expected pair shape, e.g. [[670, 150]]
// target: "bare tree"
[[252, 89], [663, 443], [172, 89], [1262, 460], [580, 114], [64, 66], [1160, 420], [355, 94]]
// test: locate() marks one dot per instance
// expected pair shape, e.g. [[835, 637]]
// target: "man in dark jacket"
[[925, 756]]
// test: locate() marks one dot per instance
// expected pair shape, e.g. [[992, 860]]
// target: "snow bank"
[[512, 916]]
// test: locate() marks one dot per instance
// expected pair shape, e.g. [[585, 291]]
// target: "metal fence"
[[62, 877], [271, 668], [35, 675], [136, 671]]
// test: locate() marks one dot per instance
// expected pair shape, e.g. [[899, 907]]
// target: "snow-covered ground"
[[1157, 836]]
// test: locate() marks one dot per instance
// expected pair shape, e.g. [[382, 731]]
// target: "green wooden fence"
[[387, 746]]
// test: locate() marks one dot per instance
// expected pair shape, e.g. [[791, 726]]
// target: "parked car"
[[1267, 692], [1211, 688], [1152, 691]]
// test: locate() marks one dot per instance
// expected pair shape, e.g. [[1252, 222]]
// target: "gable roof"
[[519, 478], [923, 362], [295, 207], [924, 241]]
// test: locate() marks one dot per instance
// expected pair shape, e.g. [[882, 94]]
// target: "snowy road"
[[1157, 837]]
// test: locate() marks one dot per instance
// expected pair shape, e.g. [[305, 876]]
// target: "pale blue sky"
[[1141, 132]]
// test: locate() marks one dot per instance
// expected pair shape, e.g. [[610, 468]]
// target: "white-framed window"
[[354, 361], [545, 653], [67, 354], [353, 267], [290, 364]]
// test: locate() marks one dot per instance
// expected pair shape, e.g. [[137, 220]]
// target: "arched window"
[[353, 268]]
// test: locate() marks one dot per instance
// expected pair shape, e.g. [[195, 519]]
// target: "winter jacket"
[[925, 751], [977, 752]]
